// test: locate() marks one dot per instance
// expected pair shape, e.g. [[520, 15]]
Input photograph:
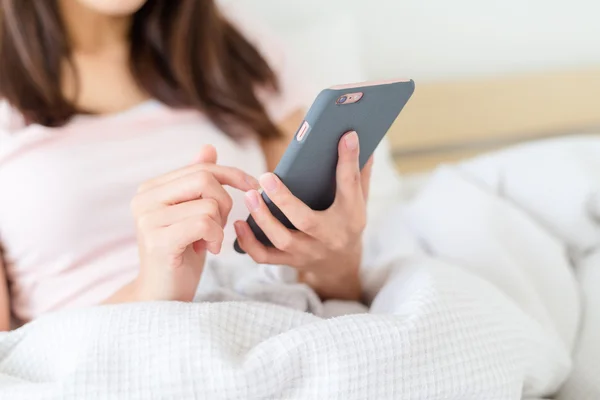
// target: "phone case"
[[308, 167]]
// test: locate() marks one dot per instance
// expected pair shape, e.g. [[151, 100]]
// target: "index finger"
[[194, 186], [299, 214], [229, 176]]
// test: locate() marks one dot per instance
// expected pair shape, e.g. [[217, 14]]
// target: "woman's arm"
[[4, 300], [327, 248], [127, 294]]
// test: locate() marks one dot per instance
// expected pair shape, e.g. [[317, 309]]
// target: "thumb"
[[207, 155]]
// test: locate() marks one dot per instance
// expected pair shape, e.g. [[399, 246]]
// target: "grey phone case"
[[308, 167]]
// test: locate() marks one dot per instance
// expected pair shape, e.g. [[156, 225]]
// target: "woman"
[[112, 103]]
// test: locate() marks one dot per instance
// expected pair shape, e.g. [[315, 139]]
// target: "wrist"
[[140, 291], [130, 293], [146, 289], [339, 285]]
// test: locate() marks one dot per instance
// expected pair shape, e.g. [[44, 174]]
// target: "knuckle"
[[207, 229], [359, 224], [283, 199], [212, 206], [263, 258], [317, 254], [203, 223], [239, 175], [153, 242], [144, 222], [339, 242], [307, 223], [260, 256], [321, 254], [203, 179], [195, 185], [228, 203], [351, 177], [284, 241], [354, 177], [301, 263]]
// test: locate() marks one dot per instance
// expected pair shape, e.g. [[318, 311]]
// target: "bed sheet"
[[461, 282]]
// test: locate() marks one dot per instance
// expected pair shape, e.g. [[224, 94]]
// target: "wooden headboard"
[[449, 121]]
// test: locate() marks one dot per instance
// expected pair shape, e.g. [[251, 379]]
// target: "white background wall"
[[438, 39]]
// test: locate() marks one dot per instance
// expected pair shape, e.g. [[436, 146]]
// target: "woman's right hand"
[[180, 216]]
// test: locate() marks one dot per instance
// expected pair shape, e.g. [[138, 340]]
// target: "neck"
[[90, 31]]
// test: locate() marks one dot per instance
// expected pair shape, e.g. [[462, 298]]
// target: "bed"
[[522, 127], [462, 280], [451, 121], [448, 121]]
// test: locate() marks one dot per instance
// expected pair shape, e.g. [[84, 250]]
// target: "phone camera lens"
[[342, 100]]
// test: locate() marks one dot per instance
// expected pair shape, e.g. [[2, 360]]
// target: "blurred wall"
[[439, 39]]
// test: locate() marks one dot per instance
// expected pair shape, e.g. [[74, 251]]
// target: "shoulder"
[[11, 122], [10, 119]]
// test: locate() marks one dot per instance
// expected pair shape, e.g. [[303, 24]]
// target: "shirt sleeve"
[[293, 93]]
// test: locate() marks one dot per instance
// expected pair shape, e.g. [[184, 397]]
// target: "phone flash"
[[349, 98]]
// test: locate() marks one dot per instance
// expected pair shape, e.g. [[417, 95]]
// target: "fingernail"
[[215, 248], [351, 140], [269, 182], [252, 182], [239, 229], [252, 200]]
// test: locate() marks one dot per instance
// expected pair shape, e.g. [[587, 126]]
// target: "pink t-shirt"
[[65, 224]]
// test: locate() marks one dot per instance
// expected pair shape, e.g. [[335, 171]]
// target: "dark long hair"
[[183, 53]]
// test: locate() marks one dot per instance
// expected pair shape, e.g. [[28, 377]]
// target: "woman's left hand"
[[327, 247]]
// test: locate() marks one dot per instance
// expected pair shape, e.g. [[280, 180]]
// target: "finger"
[[199, 246], [278, 234], [299, 214], [191, 230], [256, 250], [207, 155], [164, 217], [229, 176], [201, 185], [365, 178], [297, 243], [348, 178]]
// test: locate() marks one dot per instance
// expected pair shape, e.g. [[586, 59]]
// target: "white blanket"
[[473, 288]]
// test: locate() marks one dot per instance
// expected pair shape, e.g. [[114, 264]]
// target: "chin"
[[114, 7]]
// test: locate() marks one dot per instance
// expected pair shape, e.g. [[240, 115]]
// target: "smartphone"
[[308, 167]]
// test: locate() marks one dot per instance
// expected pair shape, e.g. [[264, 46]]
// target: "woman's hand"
[[179, 217], [327, 248]]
